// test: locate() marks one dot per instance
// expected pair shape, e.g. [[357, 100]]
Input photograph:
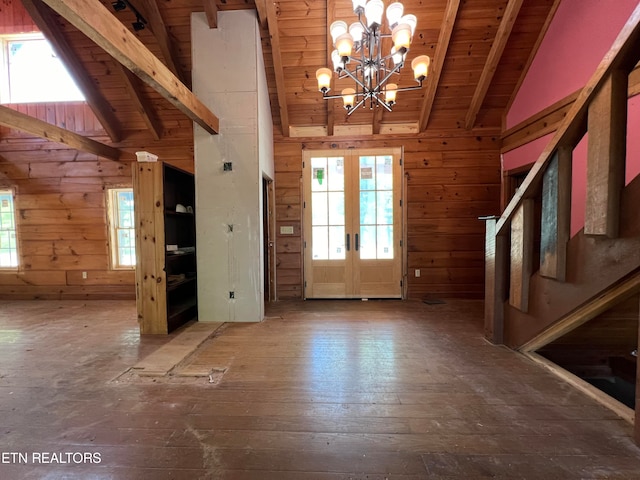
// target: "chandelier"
[[358, 55]]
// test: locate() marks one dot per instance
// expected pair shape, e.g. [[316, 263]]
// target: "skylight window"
[[32, 72]]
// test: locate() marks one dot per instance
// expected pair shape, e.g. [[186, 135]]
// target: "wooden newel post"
[[495, 287]]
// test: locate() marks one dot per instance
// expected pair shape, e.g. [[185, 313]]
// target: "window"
[[122, 235], [8, 244], [32, 72]]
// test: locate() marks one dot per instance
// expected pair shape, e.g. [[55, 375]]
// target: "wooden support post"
[[556, 215], [495, 287], [607, 126], [521, 255]]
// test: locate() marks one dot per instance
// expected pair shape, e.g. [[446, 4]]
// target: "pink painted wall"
[[579, 36]]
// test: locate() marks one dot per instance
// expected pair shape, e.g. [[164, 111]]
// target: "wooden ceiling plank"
[[272, 24], [34, 126], [440, 55], [497, 48], [211, 10], [95, 21], [331, 16], [141, 104], [261, 8], [43, 17], [159, 29]]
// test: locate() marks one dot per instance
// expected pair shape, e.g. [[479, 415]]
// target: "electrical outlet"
[[417, 272], [84, 275]]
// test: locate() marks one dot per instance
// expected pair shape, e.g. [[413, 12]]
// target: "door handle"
[[357, 243], [348, 242]]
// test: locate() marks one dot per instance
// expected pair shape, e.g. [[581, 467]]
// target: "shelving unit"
[[166, 280]]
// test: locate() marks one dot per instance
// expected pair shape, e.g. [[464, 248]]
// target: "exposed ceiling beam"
[[46, 22], [211, 10], [439, 57], [261, 8], [95, 21], [34, 126], [272, 23], [499, 43], [142, 105], [167, 46], [532, 55]]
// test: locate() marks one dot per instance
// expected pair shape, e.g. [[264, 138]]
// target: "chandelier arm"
[[355, 79], [406, 89], [384, 104], [391, 72], [356, 106]]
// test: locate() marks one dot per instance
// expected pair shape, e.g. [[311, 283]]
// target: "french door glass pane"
[[367, 241], [376, 207], [327, 208], [385, 241], [336, 243]]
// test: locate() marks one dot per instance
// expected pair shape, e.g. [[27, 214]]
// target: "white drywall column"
[[227, 78]]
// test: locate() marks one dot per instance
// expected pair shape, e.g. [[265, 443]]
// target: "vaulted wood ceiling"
[[479, 50]]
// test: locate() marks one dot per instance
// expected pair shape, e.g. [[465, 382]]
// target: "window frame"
[[5, 76], [12, 192], [113, 210]]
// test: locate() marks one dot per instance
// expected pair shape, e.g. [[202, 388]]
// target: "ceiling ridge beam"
[[94, 20], [444, 38], [34, 126], [44, 19], [489, 70], [272, 24]]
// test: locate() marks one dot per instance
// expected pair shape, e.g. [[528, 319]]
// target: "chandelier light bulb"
[[348, 97], [336, 29], [390, 93], [373, 11], [410, 20], [323, 75], [356, 30], [401, 36], [394, 13], [396, 56], [344, 44], [336, 59], [420, 66]]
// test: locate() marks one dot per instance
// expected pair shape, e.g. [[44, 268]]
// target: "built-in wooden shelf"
[[158, 188]]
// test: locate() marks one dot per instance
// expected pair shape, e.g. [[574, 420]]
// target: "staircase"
[[540, 283]]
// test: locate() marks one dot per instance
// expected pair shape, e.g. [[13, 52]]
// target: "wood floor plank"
[[319, 391]]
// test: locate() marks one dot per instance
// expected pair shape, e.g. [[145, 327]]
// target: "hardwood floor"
[[320, 390]]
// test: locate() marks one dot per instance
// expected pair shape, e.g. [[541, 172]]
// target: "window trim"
[[12, 190], [5, 83], [112, 212]]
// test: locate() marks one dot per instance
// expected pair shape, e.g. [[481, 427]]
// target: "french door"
[[352, 224]]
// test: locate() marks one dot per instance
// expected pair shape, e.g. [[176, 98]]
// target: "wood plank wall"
[[60, 192], [62, 226], [452, 179]]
